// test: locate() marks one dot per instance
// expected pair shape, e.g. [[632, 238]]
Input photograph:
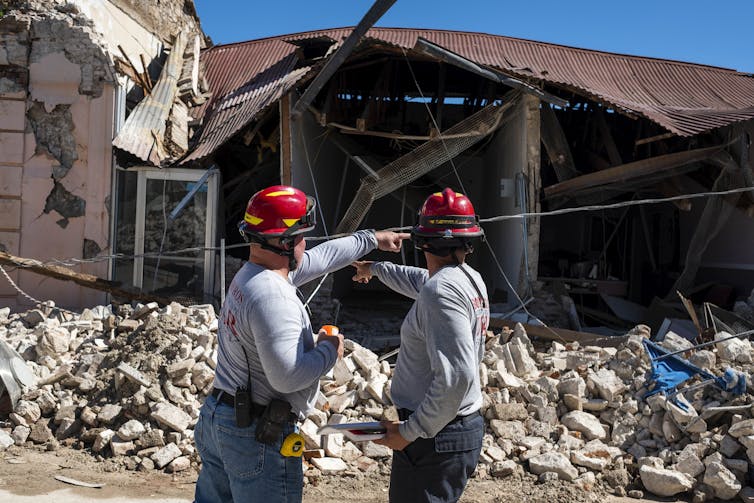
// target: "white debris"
[[553, 462], [664, 482], [722, 480]]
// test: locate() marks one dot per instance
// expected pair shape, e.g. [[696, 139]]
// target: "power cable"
[[434, 122], [321, 212], [70, 262], [492, 252]]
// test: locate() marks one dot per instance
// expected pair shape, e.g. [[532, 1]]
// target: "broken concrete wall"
[[59, 159], [504, 160], [57, 101], [312, 150], [163, 19], [119, 30]]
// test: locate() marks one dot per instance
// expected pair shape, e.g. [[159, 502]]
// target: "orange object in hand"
[[330, 329]]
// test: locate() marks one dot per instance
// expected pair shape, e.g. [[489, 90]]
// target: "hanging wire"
[[403, 212], [321, 212], [492, 252], [164, 233], [71, 262], [434, 122]]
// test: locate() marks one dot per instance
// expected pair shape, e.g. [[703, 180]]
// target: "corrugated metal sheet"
[[684, 98], [143, 132]]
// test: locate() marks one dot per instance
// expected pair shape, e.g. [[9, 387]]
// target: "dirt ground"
[[28, 476]]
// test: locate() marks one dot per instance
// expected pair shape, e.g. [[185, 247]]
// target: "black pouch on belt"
[[273, 419]]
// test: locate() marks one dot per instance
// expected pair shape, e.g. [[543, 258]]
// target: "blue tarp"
[[670, 371]]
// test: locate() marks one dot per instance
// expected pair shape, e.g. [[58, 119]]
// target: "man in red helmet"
[[437, 442], [269, 361]]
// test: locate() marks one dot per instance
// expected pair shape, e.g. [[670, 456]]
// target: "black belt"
[[228, 399], [403, 415]]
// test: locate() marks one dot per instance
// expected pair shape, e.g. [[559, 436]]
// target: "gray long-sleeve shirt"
[[263, 314], [442, 344]]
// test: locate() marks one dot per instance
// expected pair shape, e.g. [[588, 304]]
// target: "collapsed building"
[[68, 78], [370, 125], [125, 139]]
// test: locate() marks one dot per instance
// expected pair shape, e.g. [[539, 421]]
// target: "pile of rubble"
[[127, 384]]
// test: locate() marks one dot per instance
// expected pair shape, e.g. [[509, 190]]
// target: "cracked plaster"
[[53, 132]]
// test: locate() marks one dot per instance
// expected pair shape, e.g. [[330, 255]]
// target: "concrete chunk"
[[102, 440], [741, 428], [329, 465], [121, 447], [553, 462], [109, 413], [166, 455], [664, 482], [131, 430], [132, 374], [171, 416], [589, 460], [733, 350], [689, 463], [722, 480], [608, 385], [180, 368], [510, 411], [507, 429], [584, 422], [309, 431], [366, 359], [5, 440], [343, 370]]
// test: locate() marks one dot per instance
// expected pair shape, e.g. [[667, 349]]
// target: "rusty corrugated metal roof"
[[684, 98]]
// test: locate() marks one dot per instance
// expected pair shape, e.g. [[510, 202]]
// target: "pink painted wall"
[[26, 174]]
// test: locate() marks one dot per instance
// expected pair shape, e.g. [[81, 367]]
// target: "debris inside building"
[[616, 193]]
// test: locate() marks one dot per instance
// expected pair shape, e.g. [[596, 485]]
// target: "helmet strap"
[[265, 245], [443, 248]]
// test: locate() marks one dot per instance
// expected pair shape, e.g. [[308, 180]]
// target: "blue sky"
[[717, 33]]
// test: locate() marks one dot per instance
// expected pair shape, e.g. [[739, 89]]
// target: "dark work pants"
[[436, 469]]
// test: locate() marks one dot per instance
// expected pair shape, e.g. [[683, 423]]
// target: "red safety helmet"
[[447, 215], [278, 211]]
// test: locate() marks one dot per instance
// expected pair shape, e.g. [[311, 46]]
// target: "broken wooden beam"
[[561, 335], [138, 76], [424, 159], [717, 211], [556, 145], [394, 136], [286, 147], [607, 138], [651, 139], [340, 55], [83, 279], [630, 171], [145, 74]]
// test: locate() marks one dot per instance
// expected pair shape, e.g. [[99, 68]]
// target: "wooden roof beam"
[[630, 171]]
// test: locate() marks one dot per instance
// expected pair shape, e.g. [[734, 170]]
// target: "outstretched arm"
[[338, 253], [405, 280]]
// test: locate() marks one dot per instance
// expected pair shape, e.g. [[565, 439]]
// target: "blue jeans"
[[235, 467], [435, 470]]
